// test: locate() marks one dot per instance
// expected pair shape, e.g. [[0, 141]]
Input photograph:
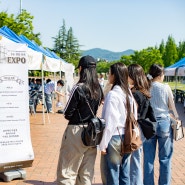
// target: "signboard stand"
[[13, 174], [14, 111]]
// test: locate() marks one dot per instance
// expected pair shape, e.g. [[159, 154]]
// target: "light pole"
[[20, 6]]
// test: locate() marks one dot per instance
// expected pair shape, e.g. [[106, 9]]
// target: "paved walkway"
[[46, 140]]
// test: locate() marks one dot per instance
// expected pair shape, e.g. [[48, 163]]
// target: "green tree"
[[60, 41], [147, 57], [170, 55], [72, 47], [181, 50], [127, 59], [6, 20], [162, 48], [21, 24], [66, 45], [103, 67]]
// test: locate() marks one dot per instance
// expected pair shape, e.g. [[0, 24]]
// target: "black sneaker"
[[60, 111]]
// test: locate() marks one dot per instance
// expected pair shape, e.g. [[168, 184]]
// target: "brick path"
[[46, 140]]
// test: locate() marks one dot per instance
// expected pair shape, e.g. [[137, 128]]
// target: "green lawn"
[[180, 85]]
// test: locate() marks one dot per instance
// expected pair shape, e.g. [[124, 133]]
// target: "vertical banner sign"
[[15, 142]]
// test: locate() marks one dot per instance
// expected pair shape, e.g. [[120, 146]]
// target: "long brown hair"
[[136, 73]]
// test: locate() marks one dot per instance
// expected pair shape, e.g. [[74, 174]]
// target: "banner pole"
[[43, 97]]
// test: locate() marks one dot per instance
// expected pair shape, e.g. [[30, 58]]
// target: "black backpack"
[[92, 133], [146, 118]]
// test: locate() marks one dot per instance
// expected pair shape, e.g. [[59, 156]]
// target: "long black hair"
[[156, 70], [120, 72], [89, 77]]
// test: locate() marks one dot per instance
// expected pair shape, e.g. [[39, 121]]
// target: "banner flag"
[[15, 141]]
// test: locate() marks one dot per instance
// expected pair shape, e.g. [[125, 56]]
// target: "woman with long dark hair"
[[140, 88], [162, 104], [115, 169], [76, 161]]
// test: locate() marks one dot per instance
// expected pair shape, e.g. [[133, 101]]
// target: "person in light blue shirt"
[[48, 89]]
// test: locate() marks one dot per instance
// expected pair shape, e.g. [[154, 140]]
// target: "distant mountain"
[[106, 54]]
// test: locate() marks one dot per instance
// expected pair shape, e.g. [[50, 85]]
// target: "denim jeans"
[[136, 172], [136, 177], [48, 99], [164, 137], [115, 170]]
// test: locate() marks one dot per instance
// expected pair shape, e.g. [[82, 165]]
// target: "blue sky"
[[113, 25]]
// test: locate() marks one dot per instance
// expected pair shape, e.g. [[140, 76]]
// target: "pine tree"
[[170, 55], [66, 45], [181, 50]]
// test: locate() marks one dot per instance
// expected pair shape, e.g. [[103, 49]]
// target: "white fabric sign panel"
[[69, 77], [34, 59], [51, 64], [15, 141], [171, 71]]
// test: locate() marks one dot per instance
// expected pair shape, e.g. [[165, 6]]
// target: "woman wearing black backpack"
[[76, 161], [140, 89]]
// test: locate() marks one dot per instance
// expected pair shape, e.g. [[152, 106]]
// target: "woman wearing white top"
[[101, 81], [162, 104], [115, 170], [60, 94]]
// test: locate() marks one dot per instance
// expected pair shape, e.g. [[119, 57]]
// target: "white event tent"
[[39, 58]]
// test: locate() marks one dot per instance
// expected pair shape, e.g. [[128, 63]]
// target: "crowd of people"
[[52, 91], [126, 85]]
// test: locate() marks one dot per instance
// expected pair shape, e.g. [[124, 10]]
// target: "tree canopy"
[[20, 24], [66, 45]]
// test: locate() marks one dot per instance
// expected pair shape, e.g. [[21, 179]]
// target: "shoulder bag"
[[177, 127], [92, 134], [132, 140]]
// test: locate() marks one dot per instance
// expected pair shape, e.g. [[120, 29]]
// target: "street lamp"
[[20, 6]]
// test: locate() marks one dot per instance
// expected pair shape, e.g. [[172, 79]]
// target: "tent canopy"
[[52, 63], [40, 58], [176, 69]]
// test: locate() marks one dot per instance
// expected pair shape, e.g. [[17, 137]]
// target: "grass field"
[[179, 85]]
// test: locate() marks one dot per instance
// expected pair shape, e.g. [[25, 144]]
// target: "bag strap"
[[80, 117], [120, 135], [128, 113], [86, 100], [145, 102], [130, 110]]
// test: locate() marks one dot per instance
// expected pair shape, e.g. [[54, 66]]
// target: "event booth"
[[18, 55], [177, 69]]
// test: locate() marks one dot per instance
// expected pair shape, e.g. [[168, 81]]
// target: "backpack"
[[132, 140], [93, 133], [146, 118]]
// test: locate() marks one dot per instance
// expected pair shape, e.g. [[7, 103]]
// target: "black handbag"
[[93, 132]]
